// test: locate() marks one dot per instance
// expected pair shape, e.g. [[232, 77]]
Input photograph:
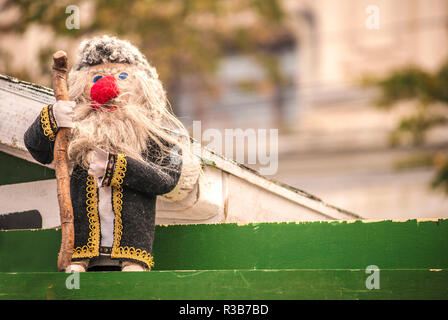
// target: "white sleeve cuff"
[[63, 113]]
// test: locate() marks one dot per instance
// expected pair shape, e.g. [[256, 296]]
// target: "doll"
[[126, 148]]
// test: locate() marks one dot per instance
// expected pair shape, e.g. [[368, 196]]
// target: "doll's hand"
[[98, 164], [63, 113]]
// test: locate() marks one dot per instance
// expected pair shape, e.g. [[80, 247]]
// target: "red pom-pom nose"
[[103, 90]]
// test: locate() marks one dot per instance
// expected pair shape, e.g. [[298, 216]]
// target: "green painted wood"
[[29, 250], [16, 170], [311, 245], [226, 284]]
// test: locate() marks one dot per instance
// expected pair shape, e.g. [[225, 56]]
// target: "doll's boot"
[[131, 266], [78, 266]]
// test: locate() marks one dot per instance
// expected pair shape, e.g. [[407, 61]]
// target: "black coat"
[[135, 185]]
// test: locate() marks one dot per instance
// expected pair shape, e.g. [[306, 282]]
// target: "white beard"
[[124, 130], [142, 116]]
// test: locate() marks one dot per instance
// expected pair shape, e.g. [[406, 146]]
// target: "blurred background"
[[358, 90]]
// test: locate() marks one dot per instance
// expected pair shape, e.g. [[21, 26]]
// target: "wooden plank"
[[409, 244], [30, 219], [276, 189], [20, 103], [225, 284]]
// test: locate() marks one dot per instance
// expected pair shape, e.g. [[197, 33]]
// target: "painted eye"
[[97, 78], [123, 75]]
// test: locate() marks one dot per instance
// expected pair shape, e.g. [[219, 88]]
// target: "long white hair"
[[143, 115]]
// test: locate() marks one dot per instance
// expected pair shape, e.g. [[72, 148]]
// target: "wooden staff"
[[59, 79]]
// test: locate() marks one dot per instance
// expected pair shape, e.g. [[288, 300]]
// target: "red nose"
[[103, 90]]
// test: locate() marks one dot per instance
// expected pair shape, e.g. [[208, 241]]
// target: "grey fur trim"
[[110, 49]]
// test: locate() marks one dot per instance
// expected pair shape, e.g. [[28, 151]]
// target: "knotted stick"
[[59, 78]]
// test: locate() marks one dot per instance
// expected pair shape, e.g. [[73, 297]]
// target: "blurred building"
[[333, 142], [340, 149]]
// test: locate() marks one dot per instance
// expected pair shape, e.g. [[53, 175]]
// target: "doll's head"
[[120, 103]]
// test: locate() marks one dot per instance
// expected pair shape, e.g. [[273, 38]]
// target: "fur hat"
[[108, 49]]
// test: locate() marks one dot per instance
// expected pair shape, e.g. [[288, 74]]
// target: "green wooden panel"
[[29, 250], [227, 284], [311, 245], [16, 170]]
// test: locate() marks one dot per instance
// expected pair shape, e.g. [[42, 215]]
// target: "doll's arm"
[[121, 170], [40, 136]]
